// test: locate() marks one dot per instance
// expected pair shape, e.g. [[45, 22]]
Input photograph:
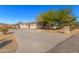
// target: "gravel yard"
[[8, 44]]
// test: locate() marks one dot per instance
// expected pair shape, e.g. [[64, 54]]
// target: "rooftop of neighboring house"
[[27, 23], [18, 23]]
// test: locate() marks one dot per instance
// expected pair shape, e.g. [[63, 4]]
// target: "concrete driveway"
[[33, 41]]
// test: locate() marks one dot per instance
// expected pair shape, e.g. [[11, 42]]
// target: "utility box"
[[67, 29]]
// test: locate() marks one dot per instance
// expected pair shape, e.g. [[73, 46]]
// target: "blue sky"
[[28, 13]]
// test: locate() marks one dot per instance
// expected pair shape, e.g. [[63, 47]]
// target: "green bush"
[[4, 30]]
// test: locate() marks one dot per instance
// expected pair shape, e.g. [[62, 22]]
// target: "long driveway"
[[35, 41]]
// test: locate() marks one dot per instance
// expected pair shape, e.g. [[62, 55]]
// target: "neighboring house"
[[22, 25], [32, 25]]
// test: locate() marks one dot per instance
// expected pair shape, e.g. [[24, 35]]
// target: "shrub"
[[4, 30]]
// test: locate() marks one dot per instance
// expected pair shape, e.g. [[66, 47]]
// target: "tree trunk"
[[50, 26]]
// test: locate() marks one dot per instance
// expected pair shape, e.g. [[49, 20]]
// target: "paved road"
[[36, 41], [70, 45]]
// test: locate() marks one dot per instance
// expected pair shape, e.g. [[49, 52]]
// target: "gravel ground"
[[8, 44], [71, 45], [8, 47], [33, 41]]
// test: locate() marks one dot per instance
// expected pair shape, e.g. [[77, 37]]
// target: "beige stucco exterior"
[[22, 25], [33, 26], [28, 26]]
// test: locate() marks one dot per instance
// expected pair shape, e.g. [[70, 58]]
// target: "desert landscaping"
[[39, 31], [32, 41]]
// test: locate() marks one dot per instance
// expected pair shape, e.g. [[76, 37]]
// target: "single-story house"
[[32, 25]]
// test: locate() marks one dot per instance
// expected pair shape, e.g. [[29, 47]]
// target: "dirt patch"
[[8, 43]]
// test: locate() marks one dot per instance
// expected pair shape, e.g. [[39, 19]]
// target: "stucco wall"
[[28, 26], [33, 26]]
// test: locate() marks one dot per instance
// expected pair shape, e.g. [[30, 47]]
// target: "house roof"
[[27, 23]]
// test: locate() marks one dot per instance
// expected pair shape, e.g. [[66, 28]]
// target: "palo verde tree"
[[59, 18], [48, 19]]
